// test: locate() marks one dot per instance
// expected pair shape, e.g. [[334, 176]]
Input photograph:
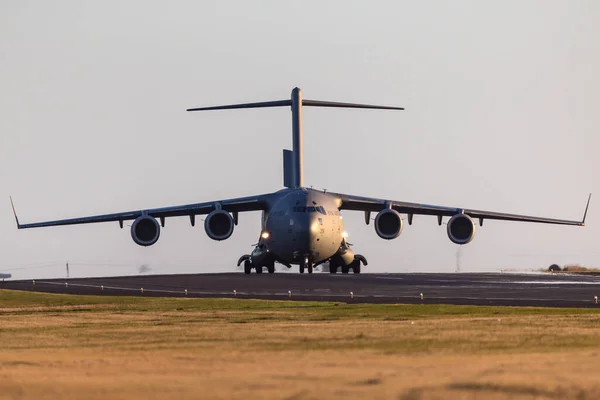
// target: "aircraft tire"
[[247, 267], [259, 269], [356, 267], [332, 269], [310, 268], [345, 269], [271, 268], [301, 268]]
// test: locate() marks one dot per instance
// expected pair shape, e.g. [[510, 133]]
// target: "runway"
[[547, 290]]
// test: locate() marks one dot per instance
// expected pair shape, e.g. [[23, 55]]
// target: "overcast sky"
[[501, 100]]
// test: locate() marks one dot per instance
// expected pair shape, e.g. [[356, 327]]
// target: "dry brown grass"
[[133, 348], [576, 268], [579, 268]]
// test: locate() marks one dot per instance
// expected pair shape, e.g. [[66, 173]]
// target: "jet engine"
[[461, 229], [388, 224], [145, 230], [218, 225]]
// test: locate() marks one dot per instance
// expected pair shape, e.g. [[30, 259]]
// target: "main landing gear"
[[355, 265], [248, 267]]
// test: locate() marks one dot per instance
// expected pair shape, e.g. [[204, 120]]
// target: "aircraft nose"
[[306, 228], [314, 228], [301, 230]]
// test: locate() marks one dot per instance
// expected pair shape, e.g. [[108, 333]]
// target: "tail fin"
[[288, 168], [293, 164]]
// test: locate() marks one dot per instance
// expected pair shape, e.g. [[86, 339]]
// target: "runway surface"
[[548, 290]]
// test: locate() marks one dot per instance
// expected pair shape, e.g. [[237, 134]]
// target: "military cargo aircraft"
[[300, 226]]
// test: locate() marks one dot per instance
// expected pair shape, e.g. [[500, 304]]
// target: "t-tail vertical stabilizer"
[[293, 167]]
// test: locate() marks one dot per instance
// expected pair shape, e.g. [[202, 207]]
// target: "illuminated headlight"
[[264, 235], [344, 234]]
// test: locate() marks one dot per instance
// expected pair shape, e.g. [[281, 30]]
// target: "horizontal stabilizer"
[[262, 104], [335, 104]]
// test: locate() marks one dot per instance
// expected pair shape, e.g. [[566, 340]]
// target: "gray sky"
[[501, 102]]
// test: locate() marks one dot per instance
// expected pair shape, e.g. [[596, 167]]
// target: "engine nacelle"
[[388, 224], [218, 225], [145, 230], [461, 229]]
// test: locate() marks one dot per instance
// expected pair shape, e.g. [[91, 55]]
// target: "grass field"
[[86, 347]]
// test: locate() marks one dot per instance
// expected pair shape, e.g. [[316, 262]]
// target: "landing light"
[[344, 234], [265, 235]]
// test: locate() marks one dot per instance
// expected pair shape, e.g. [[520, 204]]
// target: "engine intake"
[[145, 230], [461, 229], [388, 224], [219, 225]]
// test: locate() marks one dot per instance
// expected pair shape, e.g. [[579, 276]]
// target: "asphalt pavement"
[[543, 289]]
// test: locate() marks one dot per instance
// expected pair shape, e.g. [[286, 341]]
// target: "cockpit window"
[[303, 209]]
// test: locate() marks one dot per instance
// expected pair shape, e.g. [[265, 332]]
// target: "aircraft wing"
[[357, 203], [251, 203]]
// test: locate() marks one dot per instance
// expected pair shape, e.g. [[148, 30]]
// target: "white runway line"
[[555, 282], [503, 282]]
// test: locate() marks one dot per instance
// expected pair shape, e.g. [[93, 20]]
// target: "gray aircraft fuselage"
[[303, 223]]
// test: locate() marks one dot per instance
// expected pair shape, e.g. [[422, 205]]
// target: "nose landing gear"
[[306, 264]]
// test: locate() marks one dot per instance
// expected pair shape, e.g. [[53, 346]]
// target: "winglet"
[[15, 213], [586, 210]]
